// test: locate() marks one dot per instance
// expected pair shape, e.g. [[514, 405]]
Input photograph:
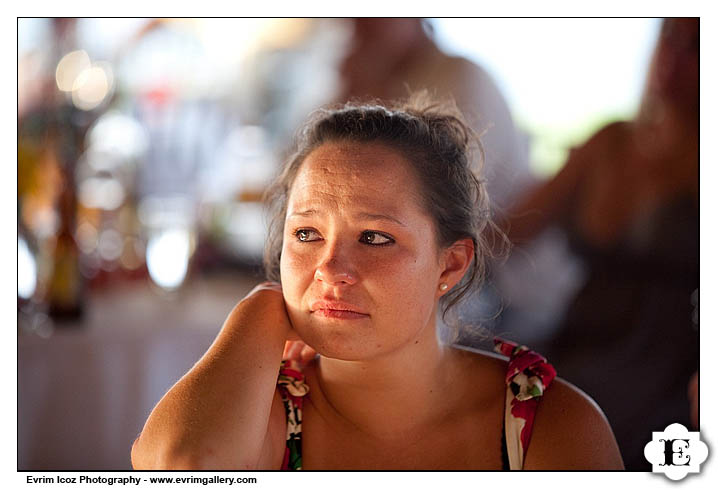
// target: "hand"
[[275, 287], [298, 351]]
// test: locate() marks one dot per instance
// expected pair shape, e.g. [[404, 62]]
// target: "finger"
[[287, 349], [295, 351], [307, 353], [285, 353], [292, 350]]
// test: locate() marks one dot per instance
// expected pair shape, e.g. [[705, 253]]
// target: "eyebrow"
[[364, 216]]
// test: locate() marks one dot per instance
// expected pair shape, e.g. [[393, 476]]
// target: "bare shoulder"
[[483, 360], [571, 433], [486, 366], [610, 138]]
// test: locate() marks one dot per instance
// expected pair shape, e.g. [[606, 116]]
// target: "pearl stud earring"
[[443, 286]]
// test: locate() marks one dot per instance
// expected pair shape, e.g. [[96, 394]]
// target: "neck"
[[392, 395]]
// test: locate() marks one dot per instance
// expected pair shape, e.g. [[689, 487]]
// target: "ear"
[[455, 260]]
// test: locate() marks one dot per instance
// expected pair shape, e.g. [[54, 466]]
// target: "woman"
[[628, 202], [377, 229]]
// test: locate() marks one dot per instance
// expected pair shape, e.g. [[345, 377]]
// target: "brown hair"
[[439, 144]]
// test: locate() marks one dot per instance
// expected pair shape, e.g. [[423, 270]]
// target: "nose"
[[335, 272]]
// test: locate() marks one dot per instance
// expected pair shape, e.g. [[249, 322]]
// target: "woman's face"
[[360, 267]]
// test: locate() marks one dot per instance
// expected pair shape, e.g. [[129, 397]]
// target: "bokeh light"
[[168, 255], [132, 253], [110, 245], [69, 68], [90, 88], [26, 270], [102, 193], [118, 134], [86, 237]]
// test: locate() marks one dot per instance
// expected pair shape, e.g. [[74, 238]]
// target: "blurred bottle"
[[65, 291]]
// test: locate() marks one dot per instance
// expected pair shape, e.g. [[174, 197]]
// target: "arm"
[[225, 412], [571, 433], [546, 203], [556, 199]]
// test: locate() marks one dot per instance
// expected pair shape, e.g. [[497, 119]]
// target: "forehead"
[[350, 173]]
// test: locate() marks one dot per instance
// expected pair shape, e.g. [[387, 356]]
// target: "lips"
[[337, 309]]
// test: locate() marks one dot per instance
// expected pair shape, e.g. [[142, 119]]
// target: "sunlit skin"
[[356, 233], [357, 237]]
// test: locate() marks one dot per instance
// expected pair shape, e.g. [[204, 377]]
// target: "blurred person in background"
[[388, 56], [628, 201]]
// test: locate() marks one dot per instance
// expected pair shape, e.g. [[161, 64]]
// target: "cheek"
[[401, 269], [406, 282], [293, 270]]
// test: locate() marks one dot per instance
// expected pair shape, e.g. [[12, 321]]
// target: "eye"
[[375, 238], [306, 235]]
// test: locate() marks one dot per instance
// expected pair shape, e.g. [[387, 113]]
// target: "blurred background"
[[144, 147]]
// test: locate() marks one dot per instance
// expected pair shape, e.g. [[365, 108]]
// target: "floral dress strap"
[[292, 388], [529, 374]]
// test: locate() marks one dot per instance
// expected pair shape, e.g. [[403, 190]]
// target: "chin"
[[338, 339]]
